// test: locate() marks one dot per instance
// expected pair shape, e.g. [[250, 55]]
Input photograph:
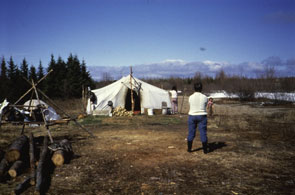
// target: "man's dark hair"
[[198, 87]]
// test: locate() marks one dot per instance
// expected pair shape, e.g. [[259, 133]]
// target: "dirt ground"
[[253, 152]]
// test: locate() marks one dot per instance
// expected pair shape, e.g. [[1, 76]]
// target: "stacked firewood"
[[119, 111], [21, 156]]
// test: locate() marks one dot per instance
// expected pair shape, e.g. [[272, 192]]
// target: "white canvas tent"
[[49, 113], [146, 96]]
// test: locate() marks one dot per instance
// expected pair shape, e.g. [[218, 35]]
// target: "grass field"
[[253, 152]]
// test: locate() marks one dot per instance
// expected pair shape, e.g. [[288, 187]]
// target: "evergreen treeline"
[[65, 81]]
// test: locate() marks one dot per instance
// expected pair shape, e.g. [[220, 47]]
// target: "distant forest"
[[69, 77], [242, 86], [65, 81]]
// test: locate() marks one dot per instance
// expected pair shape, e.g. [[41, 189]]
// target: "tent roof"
[[35, 103], [151, 96]]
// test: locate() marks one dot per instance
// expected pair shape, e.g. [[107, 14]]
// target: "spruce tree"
[[51, 82], [12, 73], [3, 80], [24, 69], [33, 74], [61, 73], [23, 85], [86, 80], [40, 74], [73, 84]]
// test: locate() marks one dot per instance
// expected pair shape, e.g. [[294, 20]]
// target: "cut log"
[[63, 153], [4, 166], [15, 169], [58, 157], [20, 188], [32, 160], [18, 147], [41, 166]]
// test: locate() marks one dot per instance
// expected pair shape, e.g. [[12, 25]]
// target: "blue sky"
[[134, 32]]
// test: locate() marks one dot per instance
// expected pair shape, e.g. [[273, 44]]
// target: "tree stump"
[[15, 169], [17, 148]]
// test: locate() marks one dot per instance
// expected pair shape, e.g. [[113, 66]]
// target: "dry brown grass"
[[254, 154]]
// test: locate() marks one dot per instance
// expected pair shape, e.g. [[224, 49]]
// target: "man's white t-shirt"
[[173, 94], [198, 104]]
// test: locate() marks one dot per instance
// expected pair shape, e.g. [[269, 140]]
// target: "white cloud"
[[255, 66], [215, 66], [174, 61]]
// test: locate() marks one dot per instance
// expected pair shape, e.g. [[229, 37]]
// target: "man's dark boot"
[[205, 147], [189, 146]]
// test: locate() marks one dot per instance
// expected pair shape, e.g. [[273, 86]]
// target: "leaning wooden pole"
[[32, 87], [41, 166], [32, 160], [66, 113]]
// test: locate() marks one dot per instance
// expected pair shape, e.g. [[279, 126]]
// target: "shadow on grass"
[[212, 146], [216, 145]]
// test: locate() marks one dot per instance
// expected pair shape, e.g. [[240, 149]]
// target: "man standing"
[[174, 101], [197, 118]]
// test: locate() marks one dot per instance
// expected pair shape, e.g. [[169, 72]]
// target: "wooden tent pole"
[[32, 87], [43, 116], [132, 100], [183, 95]]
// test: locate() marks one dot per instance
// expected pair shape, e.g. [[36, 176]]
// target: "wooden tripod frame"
[[35, 91]]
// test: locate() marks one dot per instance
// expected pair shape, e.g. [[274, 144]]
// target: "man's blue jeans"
[[199, 121]]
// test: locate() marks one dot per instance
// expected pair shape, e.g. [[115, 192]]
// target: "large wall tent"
[[145, 96]]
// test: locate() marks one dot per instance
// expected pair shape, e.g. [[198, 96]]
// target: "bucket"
[[164, 111], [150, 111]]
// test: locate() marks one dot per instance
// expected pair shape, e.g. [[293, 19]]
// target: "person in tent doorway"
[[197, 118], [174, 100], [210, 106]]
